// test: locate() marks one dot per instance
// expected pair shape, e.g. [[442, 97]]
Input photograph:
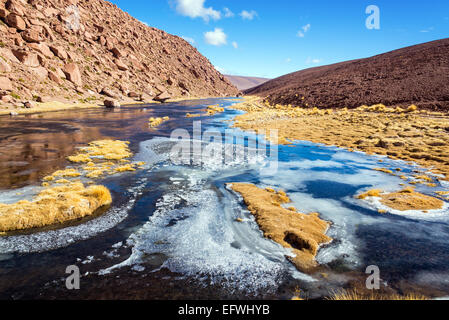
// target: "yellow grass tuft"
[[370, 193], [53, 206], [355, 295]]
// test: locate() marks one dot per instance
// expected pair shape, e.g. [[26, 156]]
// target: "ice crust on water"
[[199, 241], [340, 211], [202, 239]]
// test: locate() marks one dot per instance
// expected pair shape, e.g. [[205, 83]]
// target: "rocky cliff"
[[87, 50]]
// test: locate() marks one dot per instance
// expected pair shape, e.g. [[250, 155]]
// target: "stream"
[[172, 233]]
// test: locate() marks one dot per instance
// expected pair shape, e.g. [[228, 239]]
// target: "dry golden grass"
[[303, 233], [370, 193], [68, 200], [355, 295], [156, 122], [403, 200], [407, 134], [54, 206]]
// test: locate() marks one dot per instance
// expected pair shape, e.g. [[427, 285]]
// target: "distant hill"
[[417, 74], [244, 83]]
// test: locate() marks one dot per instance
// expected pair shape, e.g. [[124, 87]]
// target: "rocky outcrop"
[[74, 49]]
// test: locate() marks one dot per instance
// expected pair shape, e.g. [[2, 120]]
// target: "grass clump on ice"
[[54, 206]]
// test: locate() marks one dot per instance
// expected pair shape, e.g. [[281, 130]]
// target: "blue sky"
[[272, 38]]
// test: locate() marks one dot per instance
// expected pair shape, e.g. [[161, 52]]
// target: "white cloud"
[[228, 13], [235, 45], [216, 37], [313, 61], [196, 9], [304, 30], [288, 60], [427, 30], [248, 15], [189, 40]]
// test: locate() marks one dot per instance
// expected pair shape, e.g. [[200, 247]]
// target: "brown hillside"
[[46, 51], [417, 74]]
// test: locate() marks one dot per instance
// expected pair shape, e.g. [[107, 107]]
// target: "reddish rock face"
[[5, 84], [109, 49], [15, 21], [73, 74]]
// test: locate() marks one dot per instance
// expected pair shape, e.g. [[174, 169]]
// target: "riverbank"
[[411, 134], [50, 106]]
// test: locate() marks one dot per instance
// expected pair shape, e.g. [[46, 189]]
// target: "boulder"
[[29, 59], [29, 104], [111, 103], [5, 84], [54, 77], [41, 72], [160, 88], [15, 21], [15, 7], [108, 92], [3, 13], [120, 65], [59, 52], [164, 96], [31, 35], [42, 48], [8, 54], [49, 12], [116, 52], [133, 94], [73, 74]]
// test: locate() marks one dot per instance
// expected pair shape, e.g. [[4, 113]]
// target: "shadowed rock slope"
[[89, 50], [413, 75]]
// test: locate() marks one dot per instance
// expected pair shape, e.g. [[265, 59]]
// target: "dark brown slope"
[[86, 49], [245, 83], [417, 74]]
